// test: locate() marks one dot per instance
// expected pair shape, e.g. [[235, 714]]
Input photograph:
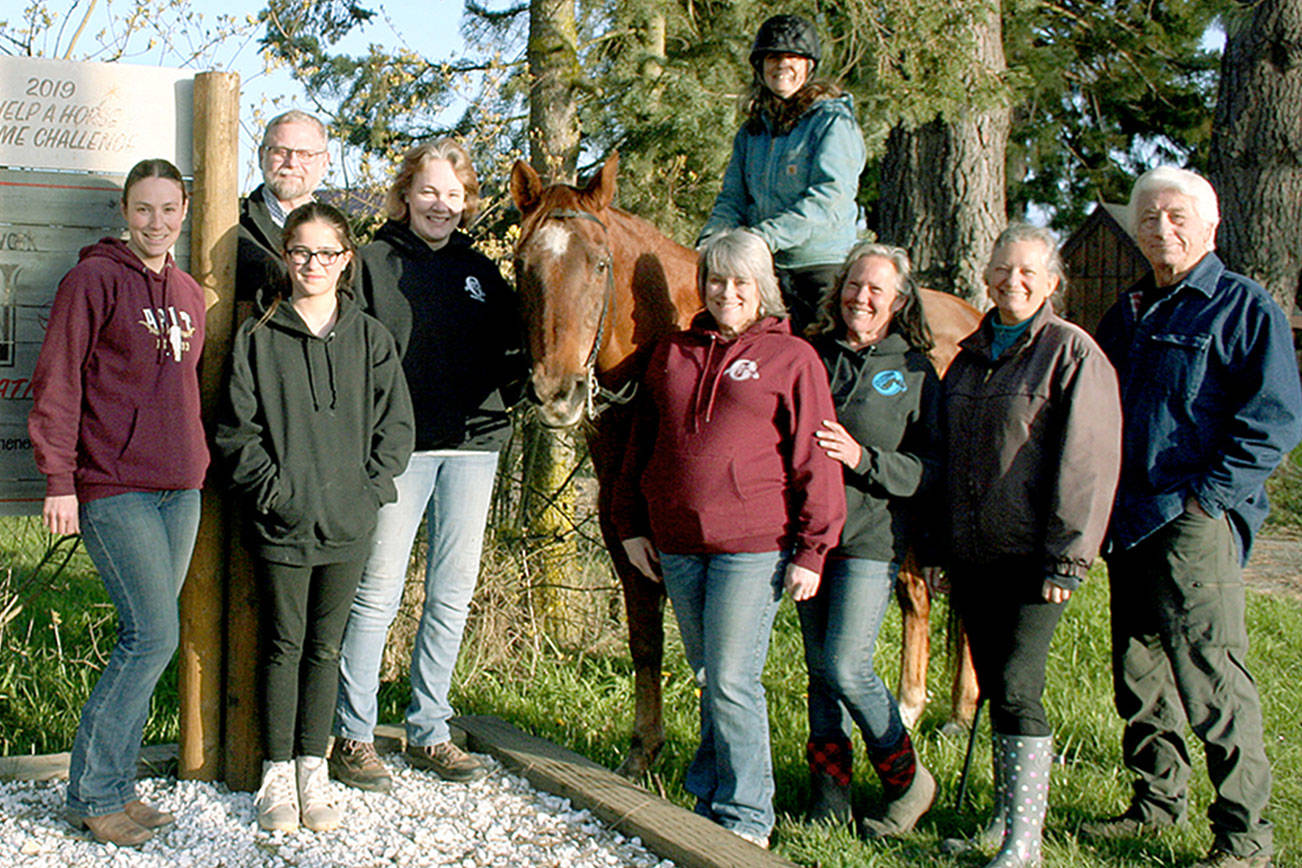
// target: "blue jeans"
[[453, 492], [140, 542], [725, 604], [839, 626]]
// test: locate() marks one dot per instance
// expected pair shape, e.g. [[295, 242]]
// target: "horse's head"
[[565, 275]]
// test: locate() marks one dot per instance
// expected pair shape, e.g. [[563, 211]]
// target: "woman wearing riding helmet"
[[795, 166]]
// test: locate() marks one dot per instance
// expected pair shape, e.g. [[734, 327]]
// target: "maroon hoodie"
[[722, 457], [116, 389]]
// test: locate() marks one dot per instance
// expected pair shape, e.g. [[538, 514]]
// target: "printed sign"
[[98, 120], [93, 117]]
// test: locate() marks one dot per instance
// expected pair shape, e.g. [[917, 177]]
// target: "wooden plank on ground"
[[156, 760], [668, 830]]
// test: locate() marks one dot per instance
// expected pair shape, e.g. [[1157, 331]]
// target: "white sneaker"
[[277, 798], [314, 806], [761, 841]]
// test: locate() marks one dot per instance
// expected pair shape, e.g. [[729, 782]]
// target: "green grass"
[[51, 653], [584, 702]]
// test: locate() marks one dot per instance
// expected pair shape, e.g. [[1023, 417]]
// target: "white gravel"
[[498, 821]]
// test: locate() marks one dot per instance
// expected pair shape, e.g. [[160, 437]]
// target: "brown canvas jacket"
[[1034, 447]]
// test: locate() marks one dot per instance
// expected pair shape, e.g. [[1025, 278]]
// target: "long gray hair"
[[910, 321]]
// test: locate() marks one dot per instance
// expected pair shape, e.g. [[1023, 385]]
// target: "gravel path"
[[498, 821]]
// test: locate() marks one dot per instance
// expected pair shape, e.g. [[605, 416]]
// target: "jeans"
[[839, 626], [1009, 625], [1179, 645], [725, 605], [140, 542], [303, 615], [453, 492]]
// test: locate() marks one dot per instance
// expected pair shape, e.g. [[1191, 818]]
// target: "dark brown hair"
[[782, 114], [155, 168], [315, 212]]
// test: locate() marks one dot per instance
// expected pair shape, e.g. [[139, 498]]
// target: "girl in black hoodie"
[[317, 424]]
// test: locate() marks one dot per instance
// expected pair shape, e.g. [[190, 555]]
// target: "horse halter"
[[599, 398]]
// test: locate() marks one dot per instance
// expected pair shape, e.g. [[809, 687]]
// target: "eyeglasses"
[[301, 256], [282, 153]]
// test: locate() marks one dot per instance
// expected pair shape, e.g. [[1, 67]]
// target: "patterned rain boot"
[[992, 836], [1027, 761], [907, 786], [829, 781]]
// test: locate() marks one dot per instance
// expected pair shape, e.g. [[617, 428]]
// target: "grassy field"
[[52, 651]]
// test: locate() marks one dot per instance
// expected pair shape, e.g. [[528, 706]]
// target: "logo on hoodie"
[[743, 369], [475, 289], [173, 329], [890, 383]]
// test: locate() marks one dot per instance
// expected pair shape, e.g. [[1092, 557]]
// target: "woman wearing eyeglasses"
[[317, 424]]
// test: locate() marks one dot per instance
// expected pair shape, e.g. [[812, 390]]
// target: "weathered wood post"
[[214, 216]]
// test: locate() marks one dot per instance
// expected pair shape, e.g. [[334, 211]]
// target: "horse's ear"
[[526, 186], [601, 189]]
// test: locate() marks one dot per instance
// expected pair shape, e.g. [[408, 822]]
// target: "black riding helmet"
[[785, 34]]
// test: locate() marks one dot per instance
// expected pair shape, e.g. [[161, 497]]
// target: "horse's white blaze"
[[553, 238]]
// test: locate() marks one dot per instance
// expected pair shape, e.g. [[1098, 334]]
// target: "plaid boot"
[[829, 781]]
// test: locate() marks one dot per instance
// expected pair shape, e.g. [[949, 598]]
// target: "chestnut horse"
[[596, 284]]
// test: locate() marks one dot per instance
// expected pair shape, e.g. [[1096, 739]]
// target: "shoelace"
[[278, 788]]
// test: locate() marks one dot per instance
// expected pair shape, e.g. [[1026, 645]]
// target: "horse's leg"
[[963, 696], [915, 647], [644, 603]]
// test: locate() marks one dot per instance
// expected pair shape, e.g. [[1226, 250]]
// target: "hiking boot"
[[902, 813], [149, 817], [314, 808], [446, 760], [909, 790], [277, 798], [1218, 858], [356, 764], [1127, 825], [116, 828]]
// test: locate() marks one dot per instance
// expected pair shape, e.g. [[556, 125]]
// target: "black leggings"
[[304, 611], [1010, 625]]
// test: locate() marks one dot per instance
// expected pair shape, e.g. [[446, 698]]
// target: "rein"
[[599, 398]]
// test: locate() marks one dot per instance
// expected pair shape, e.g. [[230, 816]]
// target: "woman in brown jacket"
[[1034, 444]]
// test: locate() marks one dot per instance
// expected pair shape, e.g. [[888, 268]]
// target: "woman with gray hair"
[[873, 338], [725, 496], [1033, 443]]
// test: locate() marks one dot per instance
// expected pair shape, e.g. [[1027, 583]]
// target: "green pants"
[[1178, 648]]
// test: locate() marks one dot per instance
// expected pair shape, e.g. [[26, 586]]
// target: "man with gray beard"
[[294, 159]]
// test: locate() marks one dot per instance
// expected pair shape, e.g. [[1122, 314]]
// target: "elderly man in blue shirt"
[[1211, 403]]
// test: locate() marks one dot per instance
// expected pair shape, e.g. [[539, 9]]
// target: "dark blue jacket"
[[1210, 399]]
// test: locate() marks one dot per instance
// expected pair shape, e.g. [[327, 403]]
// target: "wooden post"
[[214, 216]]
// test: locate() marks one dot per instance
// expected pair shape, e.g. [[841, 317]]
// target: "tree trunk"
[[549, 498], [554, 76], [942, 187], [1256, 151]]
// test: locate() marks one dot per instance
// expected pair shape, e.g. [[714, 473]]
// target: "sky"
[[429, 27]]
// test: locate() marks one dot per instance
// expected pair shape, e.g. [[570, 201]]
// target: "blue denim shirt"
[[796, 191], [1210, 398]]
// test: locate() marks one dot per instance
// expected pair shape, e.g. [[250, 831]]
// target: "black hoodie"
[[313, 431], [458, 328]]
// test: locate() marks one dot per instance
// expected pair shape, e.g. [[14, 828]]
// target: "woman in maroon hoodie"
[[725, 492], [116, 430]]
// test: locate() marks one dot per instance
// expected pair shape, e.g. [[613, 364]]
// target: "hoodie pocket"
[[347, 509]]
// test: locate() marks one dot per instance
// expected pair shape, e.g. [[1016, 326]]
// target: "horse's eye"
[[602, 265]]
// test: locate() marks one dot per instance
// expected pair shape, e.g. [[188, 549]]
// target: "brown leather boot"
[[147, 816], [116, 828]]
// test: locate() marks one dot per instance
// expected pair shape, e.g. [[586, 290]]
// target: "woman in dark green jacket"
[[316, 425], [873, 338]]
